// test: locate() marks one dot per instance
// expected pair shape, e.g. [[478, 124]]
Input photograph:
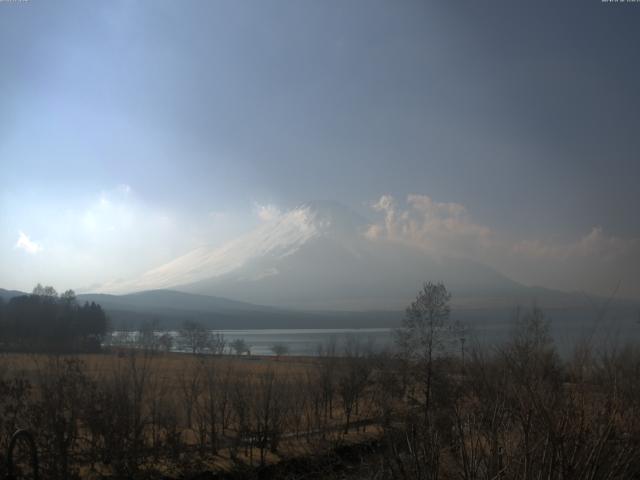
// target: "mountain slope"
[[275, 239], [317, 257], [7, 295], [168, 299], [171, 308]]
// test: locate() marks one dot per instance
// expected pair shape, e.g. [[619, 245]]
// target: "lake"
[[481, 330], [297, 341]]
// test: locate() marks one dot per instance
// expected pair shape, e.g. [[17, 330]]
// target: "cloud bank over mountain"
[[595, 262], [322, 255], [443, 229], [117, 242]]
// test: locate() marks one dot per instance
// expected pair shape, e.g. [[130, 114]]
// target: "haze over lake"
[[311, 342]]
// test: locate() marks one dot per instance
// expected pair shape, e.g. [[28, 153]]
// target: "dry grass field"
[[169, 365], [177, 412]]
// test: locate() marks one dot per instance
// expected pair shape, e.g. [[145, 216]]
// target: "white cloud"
[[114, 233], [268, 212], [595, 262], [111, 235], [440, 228], [26, 244]]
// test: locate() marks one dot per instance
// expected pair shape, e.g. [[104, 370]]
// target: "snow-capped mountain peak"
[[315, 256], [274, 239]]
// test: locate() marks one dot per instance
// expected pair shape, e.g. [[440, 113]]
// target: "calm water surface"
[[566, 334], [307, 341], [297, 341]]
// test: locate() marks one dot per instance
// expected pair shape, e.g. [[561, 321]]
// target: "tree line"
[[46, 322], [192, 337]]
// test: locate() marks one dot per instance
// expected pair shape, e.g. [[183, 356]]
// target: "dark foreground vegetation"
[[47, 322], [514, 412]]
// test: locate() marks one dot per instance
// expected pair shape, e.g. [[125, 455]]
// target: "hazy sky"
[[131, 132]]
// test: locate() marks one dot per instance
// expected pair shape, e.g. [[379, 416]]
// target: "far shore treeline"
[[47, 322]]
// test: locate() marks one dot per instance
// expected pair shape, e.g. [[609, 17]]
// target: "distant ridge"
[[169, 309], [171, 299], [7, 295]]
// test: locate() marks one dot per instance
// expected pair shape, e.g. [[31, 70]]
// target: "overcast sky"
[[131, 132]]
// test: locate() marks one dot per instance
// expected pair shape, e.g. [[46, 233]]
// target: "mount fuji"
[[317, 257]]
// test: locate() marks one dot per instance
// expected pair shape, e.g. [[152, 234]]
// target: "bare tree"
[[165, 342], [240, 346], [269, 409], [147, 338], [279, 349], [212, 407], [423, 335], [217, 343], [327, 376], [57, 411], [194, 336], [120, 413], [16, 392], [355, 372], [190, 382]]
